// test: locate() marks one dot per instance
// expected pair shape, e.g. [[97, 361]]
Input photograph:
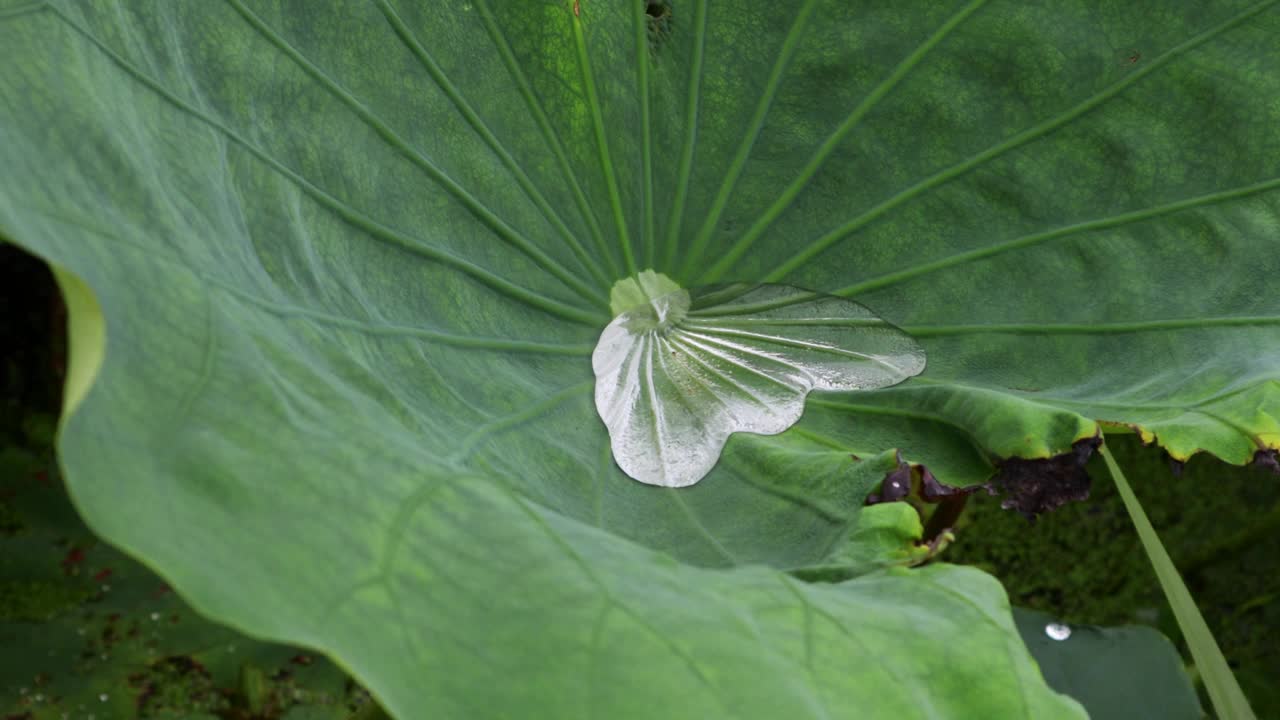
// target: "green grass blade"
[[1228, 699]]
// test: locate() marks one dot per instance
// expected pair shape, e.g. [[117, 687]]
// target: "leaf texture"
[[352, 263]]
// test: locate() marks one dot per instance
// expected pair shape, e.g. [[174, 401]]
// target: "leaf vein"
[[602, 145], [468, 444], [1025, 241], [568, 549], [477, 208], [390, 330], [699, 526], [1022, 138], [549, 133], [819, 158], [473, 118], [689, 143], [739, 162], [1136, 326], [640, 21], [342, 210]]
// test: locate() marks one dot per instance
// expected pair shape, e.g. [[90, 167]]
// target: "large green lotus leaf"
[[352, 261]]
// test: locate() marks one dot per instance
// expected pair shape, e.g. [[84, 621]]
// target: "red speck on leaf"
[[71, 562], [42, 477], [102, 574], [300, 659]]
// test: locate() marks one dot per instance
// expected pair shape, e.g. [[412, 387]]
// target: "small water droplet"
[[39, 697], [155, 617], [106, 588], [22, 691], [1057, 631], [104, 697]]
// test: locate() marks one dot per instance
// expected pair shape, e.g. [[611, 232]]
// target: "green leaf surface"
[[1118, 673], [352, 262]]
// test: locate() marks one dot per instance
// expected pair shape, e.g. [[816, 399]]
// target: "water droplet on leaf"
[[1057, 631]]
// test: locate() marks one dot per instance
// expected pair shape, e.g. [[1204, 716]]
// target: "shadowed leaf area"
[[85, 630], [336, 274], [1084, 564], [1117, 673]]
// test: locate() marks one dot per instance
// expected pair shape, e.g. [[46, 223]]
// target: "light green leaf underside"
[[352, 263]]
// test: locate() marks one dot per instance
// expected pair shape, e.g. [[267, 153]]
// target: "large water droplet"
[[678, 372]]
